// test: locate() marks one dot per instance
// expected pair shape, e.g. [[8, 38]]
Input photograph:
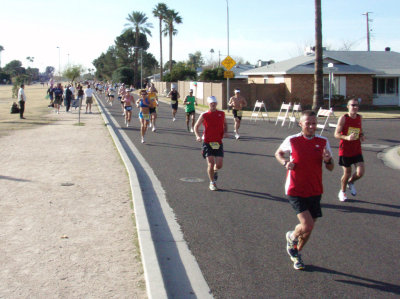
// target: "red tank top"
[[351, 148], [214, 123]]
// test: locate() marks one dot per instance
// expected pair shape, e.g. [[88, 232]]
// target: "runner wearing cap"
[[121, 93], [152, 95], [215, 128], [174, 96], [190, 110], [237, 102]]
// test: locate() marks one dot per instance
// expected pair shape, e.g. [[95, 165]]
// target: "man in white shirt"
[[89, 99], [21, 100]]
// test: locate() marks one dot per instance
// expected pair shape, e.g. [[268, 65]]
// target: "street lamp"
[[59, 62], [331, 69]]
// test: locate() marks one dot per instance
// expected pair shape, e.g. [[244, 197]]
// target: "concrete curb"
[[170, 268], [390, 157]]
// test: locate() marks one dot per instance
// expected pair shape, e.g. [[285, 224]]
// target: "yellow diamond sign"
[[228, 62]]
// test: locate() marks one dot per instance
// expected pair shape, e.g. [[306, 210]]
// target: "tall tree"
[[171, 18], [160, 12], [1, 50], [318, 99], [138, 24]]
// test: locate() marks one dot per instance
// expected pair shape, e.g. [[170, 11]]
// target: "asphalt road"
[[237, 234]]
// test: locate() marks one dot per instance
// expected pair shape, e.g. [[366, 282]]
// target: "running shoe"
[[213, 186], [191, 130], [352, 189], [237, 136], [150, 125], [215, 176], [127, 124], [298, 262], [291, 246], [174, 119], [153, 129], [142, 140], [342, 196]]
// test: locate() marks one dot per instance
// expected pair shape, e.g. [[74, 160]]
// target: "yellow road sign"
[[229, 74], [228, 62]]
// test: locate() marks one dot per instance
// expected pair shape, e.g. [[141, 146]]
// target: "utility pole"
[[368, 36]]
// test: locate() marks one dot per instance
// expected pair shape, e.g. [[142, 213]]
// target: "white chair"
[[257, 110], [327, 114], [293, 118], [284, 110]]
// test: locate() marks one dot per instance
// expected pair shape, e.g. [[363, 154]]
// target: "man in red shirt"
[[349, 131], [215, 128], [303, 185]]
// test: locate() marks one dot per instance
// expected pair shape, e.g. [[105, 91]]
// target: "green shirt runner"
[[190, 104]]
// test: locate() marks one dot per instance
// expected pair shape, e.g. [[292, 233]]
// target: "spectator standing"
[[89, 99], [22, 101]]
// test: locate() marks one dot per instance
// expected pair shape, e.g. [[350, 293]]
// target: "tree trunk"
[[161, 58], [170, 50], [318, 99]]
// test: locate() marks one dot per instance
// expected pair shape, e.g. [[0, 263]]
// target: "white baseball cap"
[[212, 99], [237, 90]]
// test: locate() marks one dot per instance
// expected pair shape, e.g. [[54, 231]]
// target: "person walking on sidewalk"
[[190, 110], [174, 96], [89, 99], [143, 104], [349, 131], [237, 102], [215, 129], [303, 185], [21, 101], [128, 101]]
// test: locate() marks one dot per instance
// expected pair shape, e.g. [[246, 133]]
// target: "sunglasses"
[[354, 105]]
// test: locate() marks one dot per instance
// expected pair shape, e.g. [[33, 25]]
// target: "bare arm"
[[280, 157], [196, 127]]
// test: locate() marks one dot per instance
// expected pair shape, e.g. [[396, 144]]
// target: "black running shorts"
[[312, 204]]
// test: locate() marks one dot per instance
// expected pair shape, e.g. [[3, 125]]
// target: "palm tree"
[[171, 17], [1, 50], [318, 99], [138, 24], [160, 12]]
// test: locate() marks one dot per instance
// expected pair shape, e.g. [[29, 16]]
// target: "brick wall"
[[360, 86]]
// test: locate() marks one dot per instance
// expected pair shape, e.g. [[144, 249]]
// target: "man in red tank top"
[[349, 131], [215, 128]]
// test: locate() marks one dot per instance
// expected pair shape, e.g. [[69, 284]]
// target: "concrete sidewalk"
[[65, 214]]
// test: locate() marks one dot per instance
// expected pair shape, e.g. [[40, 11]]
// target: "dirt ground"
[[67, 226]]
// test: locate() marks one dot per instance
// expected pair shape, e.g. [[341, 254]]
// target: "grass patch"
[[79, 124]]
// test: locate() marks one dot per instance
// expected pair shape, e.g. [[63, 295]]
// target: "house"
[[371, 76]]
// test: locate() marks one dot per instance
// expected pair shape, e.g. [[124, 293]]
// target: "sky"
[[77, 32]]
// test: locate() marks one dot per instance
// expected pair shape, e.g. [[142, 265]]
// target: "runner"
[[144, 115], [110, 94], [174, 95], [349, 131], [189, 103], [304, 180], [121, 93], [215, 128], [237, 102], [128, 100], [152, 94]]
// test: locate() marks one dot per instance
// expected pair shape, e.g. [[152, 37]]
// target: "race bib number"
[[352, 130], [146, 116], [214, 145], [240, 113], [173, 102]]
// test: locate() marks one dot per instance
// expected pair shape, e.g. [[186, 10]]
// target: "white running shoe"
[[352, 189], [153, 129], [191, 130], [150, 125], [342, 196], [213, 186], [174, 119], [127, 124], [142, 140], [237, 136]]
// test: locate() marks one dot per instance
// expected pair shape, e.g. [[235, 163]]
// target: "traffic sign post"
[[229, 74], [228, 63]]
